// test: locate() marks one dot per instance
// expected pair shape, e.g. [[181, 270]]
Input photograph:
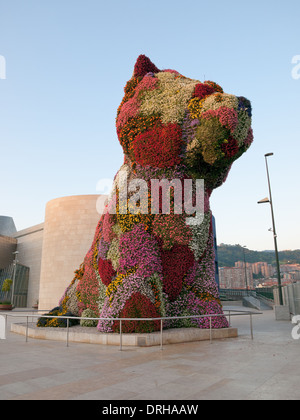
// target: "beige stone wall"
[[69, 229], [30, 242]]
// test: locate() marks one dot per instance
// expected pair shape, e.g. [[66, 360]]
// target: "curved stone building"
[[69, 227]]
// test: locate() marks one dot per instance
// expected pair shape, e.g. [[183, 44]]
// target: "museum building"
[[42, 258]]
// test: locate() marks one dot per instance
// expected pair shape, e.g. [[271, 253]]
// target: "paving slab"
[[228, 369]]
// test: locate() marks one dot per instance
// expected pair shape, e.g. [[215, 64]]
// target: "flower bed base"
[[93, 336], [5, 307]]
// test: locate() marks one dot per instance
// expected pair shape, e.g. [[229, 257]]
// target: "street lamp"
[[269, 200], [247, 293]]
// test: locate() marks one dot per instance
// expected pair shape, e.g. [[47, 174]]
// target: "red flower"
[[106, 271], [217, 88], [88, 285], [138, 306], [202, 90], [159, 147], [175, 263], [143, 66], [230, 148]]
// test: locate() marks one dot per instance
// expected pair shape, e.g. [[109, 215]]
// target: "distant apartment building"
[[290, 273], [291, 276], [263, 268], [287, 268], [236, 278]]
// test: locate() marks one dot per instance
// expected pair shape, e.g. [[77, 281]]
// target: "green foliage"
[[57, 322], [89, 313], [229, 254], [6, 285]]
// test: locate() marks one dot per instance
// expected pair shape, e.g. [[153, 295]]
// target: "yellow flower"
[[113, 286], [194, 107]]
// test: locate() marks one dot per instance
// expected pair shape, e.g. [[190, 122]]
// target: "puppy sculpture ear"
[[143, 66]]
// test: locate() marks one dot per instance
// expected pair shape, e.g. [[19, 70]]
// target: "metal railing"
[[230, 313]]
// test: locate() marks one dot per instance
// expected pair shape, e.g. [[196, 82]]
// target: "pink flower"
[[131, 107], [227, 116], [138, 247]]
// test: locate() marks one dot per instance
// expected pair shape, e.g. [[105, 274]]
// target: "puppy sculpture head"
[[166, 120]]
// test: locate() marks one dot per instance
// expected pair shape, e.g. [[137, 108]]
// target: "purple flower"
[[138, 247]]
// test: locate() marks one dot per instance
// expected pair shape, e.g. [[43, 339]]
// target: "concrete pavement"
[[239, 368]]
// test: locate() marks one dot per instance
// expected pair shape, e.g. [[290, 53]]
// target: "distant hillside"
[[229, 254]]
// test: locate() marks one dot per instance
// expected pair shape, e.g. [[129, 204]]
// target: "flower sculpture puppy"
[[144, 261]]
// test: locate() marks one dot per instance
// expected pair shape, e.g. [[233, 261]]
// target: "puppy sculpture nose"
[[245, 105]]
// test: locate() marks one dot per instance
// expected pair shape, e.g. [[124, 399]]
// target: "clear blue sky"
[[67, 62]]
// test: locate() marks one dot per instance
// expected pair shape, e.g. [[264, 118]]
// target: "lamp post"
[[269, 200], [247, 293], [14, 276]]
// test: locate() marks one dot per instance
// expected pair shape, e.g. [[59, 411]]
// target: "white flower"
[[200, 236], [170, 99], [244, 123], [218, 100]]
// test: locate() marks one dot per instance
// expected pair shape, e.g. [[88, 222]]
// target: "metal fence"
[[291, 297], [229, 313]]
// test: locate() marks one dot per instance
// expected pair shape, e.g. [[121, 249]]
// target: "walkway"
[[236, 368]]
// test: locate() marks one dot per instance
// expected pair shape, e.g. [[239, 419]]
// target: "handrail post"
[[120, 335], [210, 331], [5, 324], [67, 332], [251, 327], [161, 334], [26, 328]]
